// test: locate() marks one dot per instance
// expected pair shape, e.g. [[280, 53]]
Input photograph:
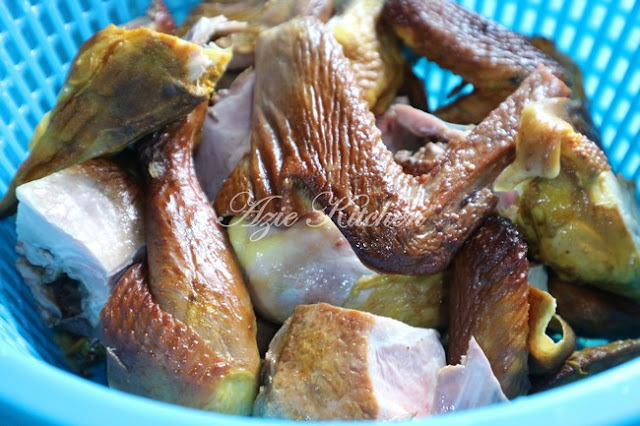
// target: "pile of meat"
[[412, 261]]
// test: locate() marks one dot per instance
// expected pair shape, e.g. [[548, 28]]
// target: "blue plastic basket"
[[38, 39]]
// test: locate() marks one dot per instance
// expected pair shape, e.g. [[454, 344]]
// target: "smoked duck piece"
[[78, 230], [373, 49], [485, 54], [577, 216], [589, 361], [596, 313], [183, 332], [329, 363], [313, 134], [123, 84], [489, 301], [310, 261]]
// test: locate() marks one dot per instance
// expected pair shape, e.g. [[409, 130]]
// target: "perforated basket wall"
[[38, 40]]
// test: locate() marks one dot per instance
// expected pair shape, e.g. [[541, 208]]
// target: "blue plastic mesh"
[[38, 40]]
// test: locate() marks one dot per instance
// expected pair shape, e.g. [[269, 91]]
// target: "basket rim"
[[576, 403]]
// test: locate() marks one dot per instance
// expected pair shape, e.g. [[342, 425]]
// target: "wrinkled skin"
[[489, 301], [589, 361], [106, 88], [577, 217], [406, 128], [374, 52], [193, 297], [484, 53], [339, 159]]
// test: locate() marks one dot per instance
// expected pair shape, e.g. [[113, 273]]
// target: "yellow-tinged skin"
[[374, 52], [122, 85], [192, 339], [576, 216], [417, 300], [420, 301], [546, 355]]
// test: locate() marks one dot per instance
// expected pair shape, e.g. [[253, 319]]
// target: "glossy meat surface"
[[193, 279], [483, 52], [489, 301], [312, 132], [107, 102]]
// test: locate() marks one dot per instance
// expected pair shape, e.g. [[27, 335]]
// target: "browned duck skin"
[[489, 301], [481, 51], [122, 85], [374, 50], [596, 313], [589, 361], [194, 293], [313, 131], [484, 53]]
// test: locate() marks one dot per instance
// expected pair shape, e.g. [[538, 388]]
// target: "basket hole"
[[61, 52], [76, 36], [598, 12], [577, 10], [14, 9], [44, 64], [44, 103], [633, 40], [584, 48], [5, 115], [29, 36], [14, 53], [30, 80], [113, 16], [65, 13], [617, 24], [86, 5], [604, 56], [45, 21]]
